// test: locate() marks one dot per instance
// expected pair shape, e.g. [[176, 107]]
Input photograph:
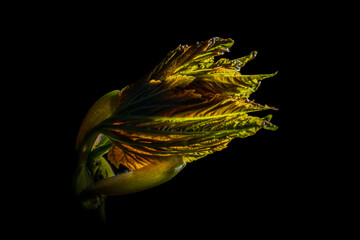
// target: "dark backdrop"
[[251, 186]]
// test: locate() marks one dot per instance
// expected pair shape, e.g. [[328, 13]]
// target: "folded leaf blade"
[[189, 105]]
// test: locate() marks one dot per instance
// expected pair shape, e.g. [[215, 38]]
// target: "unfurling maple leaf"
[[189, 106]]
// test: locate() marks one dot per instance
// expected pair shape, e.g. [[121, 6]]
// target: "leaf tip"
[[268, 125], [253, 54]]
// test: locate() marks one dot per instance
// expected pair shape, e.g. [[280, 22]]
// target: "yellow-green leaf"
[[190, 105]]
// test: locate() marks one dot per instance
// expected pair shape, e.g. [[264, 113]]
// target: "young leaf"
[[190, 105]]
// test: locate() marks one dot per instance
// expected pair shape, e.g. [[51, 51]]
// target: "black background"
[[254, 186]]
